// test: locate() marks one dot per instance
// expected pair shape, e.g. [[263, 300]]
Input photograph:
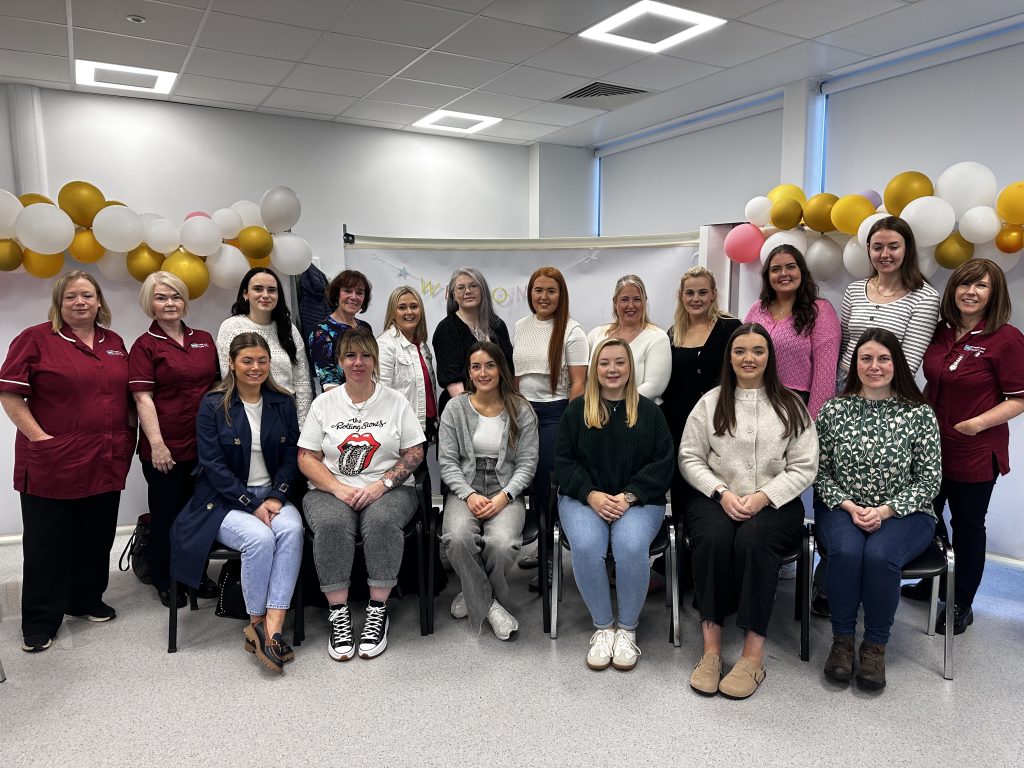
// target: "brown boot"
[[839, 666], [871, 672]]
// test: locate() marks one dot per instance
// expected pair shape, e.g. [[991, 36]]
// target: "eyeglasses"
[[471, 288]]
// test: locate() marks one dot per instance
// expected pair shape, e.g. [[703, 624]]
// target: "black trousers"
[[736, 565], [968, 505], [168, 495], [66, 546]]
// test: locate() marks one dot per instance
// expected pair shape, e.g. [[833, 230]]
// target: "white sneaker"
[[624, 651], [339, 644], [600, 654], [458, 608], [502, 622]]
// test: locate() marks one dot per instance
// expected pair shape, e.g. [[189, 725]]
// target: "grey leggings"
[[335, 525]]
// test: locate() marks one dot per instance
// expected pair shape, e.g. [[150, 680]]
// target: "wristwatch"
[[630, 498], [509, 496], [388, 483], [718, 493]]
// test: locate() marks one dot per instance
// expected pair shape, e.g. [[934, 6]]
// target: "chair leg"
[[544, 572], [434, 551], [420, 572], [933, 607], [3, 677], [172, 620], [673, 570], [947, 659], [804, 593], [556, 579], [298, 631]]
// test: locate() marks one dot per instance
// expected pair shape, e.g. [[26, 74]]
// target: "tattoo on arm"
[[408, 460]]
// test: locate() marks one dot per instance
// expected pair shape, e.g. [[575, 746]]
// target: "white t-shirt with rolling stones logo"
[[360, 442]]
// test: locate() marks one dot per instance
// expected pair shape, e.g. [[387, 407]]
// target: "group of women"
[[737, 420]]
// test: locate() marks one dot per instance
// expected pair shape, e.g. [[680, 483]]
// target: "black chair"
[[413, 529]]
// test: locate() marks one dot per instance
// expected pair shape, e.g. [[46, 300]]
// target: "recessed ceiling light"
[[695, 24], [100, 75], [456, 122], [134, 18]]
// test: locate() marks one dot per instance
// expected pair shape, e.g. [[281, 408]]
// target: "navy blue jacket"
[[224, 451]]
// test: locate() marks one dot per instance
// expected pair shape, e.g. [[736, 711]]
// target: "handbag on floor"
[[230, 601], [136, 551]]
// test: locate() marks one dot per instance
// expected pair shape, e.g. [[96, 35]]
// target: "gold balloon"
[[109, 203], [783, 191], [1010, 238], [29, 198], [255, 242], [264, 262], [953, 251], [11, 255], [143, 261], [233, 241], [43, 265], [81, 201], [1010, 203], [191, 269], [818, 212], [85, 248], [786, 213], [849, 212], [904, 187]]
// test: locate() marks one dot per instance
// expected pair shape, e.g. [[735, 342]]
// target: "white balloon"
[[794, 237], [118, 228], [250, 213], [229, 221], [926, 260], [200, 236], [931, 218], [980, 224], [824, 258], [866, 225], [10, 207], [967, 185], [758, 211], [881, 209], [114, 266], [162, 236], [1006, 261], [149, 217], [291, 254], [280, 209], [855, 260], [227, 267], [44, 228]]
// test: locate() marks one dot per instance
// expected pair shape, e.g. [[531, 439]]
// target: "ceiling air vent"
[[603, 96]]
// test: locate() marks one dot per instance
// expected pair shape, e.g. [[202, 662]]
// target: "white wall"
[[6, 159], [563, 191], [699, 178]]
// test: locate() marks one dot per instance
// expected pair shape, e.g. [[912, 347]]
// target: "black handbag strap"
[[125, 561]]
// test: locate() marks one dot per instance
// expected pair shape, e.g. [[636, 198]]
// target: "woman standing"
[[878, 473], [804, 328], [349, 294], [359, 448], [647, 342], [470, 319], [749, 450], [170, 368], [488, 455], [613, 461], [247, 429], [64, 385], [975, 373], [406, 362], [260, 308]]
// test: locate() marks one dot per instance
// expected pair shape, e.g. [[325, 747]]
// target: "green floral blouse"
[[877, 452]]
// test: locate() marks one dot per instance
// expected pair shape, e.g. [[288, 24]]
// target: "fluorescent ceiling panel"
[[456, 122], [100, 75], [697, 24]]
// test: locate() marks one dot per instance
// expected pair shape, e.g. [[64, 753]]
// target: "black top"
[[452, 341]]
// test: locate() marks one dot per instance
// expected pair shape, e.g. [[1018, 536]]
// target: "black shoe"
[[527, 562], [208, 589], [962, 619], [534, 585], [284, 651], [36, 643], [165, 597], [265, 650], [922, 590], [374, 639], [820, 606], [100, 612]]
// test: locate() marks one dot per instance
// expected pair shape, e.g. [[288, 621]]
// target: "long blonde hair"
[[390, 315], [228, 385], [595, 411], [681, 322]]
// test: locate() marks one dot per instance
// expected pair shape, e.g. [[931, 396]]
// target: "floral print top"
[[323, 345]]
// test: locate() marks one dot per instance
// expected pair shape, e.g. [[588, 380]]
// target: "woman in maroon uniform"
[[64, 384], [170, 368]]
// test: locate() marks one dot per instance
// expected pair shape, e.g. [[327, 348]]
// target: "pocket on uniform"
[[56, 456]]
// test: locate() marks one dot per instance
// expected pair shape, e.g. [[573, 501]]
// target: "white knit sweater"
[[652, 358]]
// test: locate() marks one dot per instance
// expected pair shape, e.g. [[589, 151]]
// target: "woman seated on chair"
[[880, 469], [749, 450], [613, 461], [488, 454], [359, 447], [246, 433]]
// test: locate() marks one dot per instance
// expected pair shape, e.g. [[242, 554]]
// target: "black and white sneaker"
[[374, 640], [101, 612], [340, 644]]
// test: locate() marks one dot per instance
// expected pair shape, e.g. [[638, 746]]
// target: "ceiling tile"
[[344, 82], [371, 123], [534, 83], [34, 36], [469, 6], [213, 103], [361, 55], [558, 114], [129, 51], [397, 21], [233, 33], [294, 113], [569, 16], [169, 23], [307, 101], [492, 104], [449, 69], [516, 129], [314, 14], [731, 44], [810, 18], [725, 9], [416, 93], [585, 58], [383, 111], [40, 10], [201, 4], [221, 90], [36, 66], [660, 73], [237, 66], [501, 40]]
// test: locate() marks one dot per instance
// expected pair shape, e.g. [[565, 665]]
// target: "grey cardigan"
[[455, 448]]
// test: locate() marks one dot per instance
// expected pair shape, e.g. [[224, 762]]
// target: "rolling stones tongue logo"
[[356, 453]]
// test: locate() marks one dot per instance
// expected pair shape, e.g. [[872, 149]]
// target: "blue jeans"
[[270, 556], [630, 536], [548, 416], [864, 568]]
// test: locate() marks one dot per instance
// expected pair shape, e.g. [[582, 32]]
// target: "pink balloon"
[[205, 215], [743, 243], [874, 197]]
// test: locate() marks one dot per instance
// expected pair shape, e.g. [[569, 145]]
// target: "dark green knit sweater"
[[616, 458]]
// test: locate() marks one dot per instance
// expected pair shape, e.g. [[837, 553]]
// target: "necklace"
[[615, 407], [884, 295], [361, 406]]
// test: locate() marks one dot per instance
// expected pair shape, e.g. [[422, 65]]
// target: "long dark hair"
[[510, 398], [279, 314], [999, 309], [910, 269], [903, 385], [805, 308], [787, 404], [228, 385], [556, 347]]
